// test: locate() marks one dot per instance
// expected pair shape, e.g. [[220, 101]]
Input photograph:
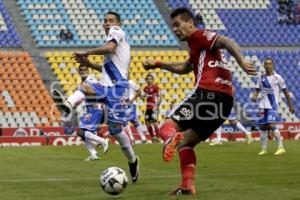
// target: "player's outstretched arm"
[[109, 47], [175, 67], [288, 98], [224, 42]]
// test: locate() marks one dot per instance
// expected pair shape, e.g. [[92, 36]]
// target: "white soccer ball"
[[113, 180]]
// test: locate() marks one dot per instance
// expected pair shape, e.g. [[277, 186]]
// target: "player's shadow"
[[114, 197]]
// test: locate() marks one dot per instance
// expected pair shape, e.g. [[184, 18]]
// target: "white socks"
[[242, 128], [93, 137], [129, 132], [264, 139], [76, 98], [90, 147], [278, 138], [138, 129], [219, 134], [126, 147], [141, 133]]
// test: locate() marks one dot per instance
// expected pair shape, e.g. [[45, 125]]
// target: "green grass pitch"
[[231, 171]]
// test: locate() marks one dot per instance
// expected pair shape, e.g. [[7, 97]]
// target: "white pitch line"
[[143, 176]]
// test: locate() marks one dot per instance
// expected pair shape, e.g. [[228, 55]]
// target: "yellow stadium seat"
[[60, 75], [64, 54], [173, 59], [56, 71], [190, 85], [160, 75], [99, 60], [133, 53], [172, 80], [51, 60], [148, 53], [158, 57], [169, 75], [135, 59], [168, 86], [162, 53], [181, 95], [160, 85], [181, 59], [54, 66], [59, 59], [166, 59], [48, 54], [67, 59], [140, 53], [55, 53]]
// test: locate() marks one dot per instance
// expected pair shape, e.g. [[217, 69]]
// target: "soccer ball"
[[113, 180]]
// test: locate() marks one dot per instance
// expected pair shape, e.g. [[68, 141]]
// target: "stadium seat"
[[8, 35], [83, 19], [24, 94], [244, 20]]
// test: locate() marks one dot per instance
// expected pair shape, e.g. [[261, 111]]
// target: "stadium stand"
[[241, 19], [250, 22], [24, 99], [176, 87], [8, 36], [141, 21]]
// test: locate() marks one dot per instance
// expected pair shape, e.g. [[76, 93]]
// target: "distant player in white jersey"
[[91, 119], [113, 86], [134, 93], [270, 84]]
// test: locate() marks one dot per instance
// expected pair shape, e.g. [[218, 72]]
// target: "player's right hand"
[[249, 68], [149, 64], [82, 60], [76, 55]]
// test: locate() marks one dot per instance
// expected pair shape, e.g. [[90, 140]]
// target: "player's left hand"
[[249, 68], [149, 64]]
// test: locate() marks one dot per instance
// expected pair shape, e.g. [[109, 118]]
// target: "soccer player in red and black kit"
[[153, 100], [209, 103]]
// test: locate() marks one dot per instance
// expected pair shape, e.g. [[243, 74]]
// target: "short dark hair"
[[269, 58], [185, 13], [149, 75], [81, 65], [115, 14]]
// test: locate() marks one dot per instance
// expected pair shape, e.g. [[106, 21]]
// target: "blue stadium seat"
[[128, 9], [258, 25], [8, 35]]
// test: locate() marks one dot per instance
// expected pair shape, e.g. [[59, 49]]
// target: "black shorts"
[[203, 111], [151, 115]]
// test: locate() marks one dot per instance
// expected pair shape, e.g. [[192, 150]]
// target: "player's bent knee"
[[80, 133]]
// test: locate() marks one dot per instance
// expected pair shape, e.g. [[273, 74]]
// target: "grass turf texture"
[[231, 171]]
